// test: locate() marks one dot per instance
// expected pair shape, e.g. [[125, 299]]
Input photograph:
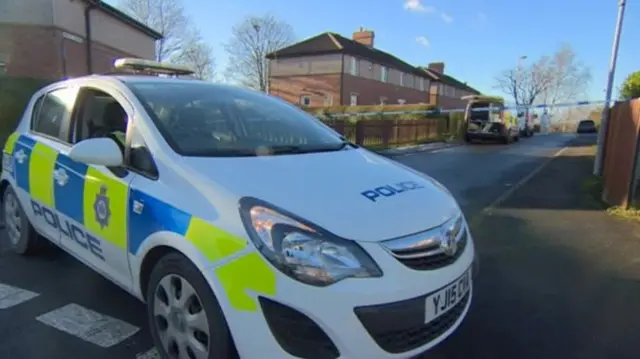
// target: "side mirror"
[[97, 151]]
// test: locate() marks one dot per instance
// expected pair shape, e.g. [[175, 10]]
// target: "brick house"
[[446, 91], [329, 69], [54, 39]]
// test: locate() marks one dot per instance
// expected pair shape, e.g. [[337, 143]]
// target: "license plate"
[[446, 298]]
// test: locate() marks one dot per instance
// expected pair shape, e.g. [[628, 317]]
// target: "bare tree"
[[570, 78], [251, 40], [549, 80], [525, 84], [197, 55], [165, 16]]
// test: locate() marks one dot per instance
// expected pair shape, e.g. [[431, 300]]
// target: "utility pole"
[[517, 80], [602, 134]]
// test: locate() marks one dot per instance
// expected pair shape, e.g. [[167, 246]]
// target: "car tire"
[[170, 270], [23, 238], [467, 139], [516, 139], [505, 140]]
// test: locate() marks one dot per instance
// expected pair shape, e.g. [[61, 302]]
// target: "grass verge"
[[593, 187]]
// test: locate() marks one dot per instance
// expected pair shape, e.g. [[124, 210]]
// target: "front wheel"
[[185, 317], [22, 236]]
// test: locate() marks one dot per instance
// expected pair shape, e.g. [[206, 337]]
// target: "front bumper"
[[356, 318]]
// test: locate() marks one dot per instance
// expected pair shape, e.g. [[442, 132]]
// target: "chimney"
[[364, 36], [437, 67]]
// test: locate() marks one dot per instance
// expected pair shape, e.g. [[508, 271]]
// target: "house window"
[[354, 67], [401, 101], [401, 79], [421, 84], [383, 100], [353, 100], [328, 100], [3, 68], [383, 74], [305, 100]]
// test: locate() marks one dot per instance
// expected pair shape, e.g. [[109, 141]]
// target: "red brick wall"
[[445, 102], [31, 50], [38, 52], [291, 88], [369, 92]]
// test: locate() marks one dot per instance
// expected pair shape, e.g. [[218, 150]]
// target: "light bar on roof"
[[151, 67]]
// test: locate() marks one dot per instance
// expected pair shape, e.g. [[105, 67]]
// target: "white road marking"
[[149, 354], [11, 296], [91, 326]]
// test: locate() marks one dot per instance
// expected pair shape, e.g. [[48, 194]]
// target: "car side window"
[[51, 111]]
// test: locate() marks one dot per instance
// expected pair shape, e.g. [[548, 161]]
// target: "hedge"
[[15, 93]]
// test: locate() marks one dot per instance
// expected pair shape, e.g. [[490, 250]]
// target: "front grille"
[[397, 327], [438, 260], [296, 333]]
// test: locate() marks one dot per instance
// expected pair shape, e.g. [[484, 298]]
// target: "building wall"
[[369, 92], [306, 65], [46, 39], [105, 29], [29, 12], [448, 97], [321, 90], [48, 52]]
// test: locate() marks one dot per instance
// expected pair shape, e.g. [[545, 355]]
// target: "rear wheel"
[[22, 236], [467, 139], [185, 317]]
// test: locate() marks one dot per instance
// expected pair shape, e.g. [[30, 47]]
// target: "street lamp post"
[[517, 79], [602, 134]]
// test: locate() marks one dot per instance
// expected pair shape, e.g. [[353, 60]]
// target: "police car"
[[247, 227]]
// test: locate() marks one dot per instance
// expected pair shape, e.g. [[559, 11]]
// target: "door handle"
[[61, 176]]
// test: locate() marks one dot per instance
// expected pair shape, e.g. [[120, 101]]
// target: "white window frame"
[[355, 67], [305, 98], [353, 99], [384, 74], [422, 84], [402, 79]]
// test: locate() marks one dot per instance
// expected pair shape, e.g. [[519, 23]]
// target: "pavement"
[[557, 280]]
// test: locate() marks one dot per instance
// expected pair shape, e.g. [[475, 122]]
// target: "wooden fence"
[[382, 133], [620, 159]]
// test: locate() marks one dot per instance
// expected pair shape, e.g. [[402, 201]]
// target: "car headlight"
[[301, 250]]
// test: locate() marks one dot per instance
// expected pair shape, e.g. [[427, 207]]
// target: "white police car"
[[246, 226]]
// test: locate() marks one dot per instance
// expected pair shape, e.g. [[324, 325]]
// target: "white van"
[[247, 227]]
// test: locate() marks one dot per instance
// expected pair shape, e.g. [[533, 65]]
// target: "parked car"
[[484, 116], [587, 126], [248, 227]]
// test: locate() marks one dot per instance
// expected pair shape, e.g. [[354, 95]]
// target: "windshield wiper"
[[285, 149]]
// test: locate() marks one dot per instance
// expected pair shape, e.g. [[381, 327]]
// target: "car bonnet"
[[353, 193]]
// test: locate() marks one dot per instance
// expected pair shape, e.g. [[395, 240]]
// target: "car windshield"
[[201, 119], [587, 123]]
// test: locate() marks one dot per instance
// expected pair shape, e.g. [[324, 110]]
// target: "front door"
[[91, 200]]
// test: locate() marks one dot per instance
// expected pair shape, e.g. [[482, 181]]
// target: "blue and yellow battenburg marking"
[[105, 207]]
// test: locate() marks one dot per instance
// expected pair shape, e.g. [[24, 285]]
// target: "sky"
[[476, 39]]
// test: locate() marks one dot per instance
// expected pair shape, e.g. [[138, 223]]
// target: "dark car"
[[587, 126]]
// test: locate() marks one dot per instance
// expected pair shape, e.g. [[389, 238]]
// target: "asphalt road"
[[51, 306]]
